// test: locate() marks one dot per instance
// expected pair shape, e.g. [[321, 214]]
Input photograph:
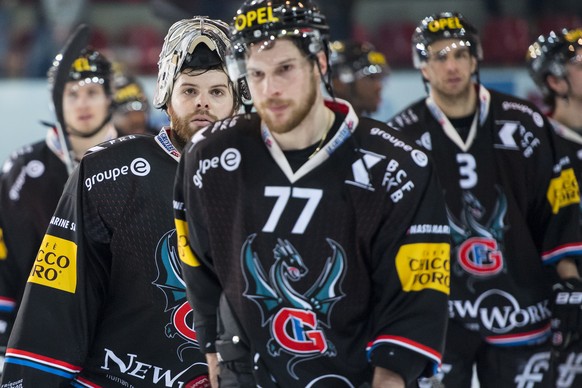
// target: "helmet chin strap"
[[325, 78], [74, 132]]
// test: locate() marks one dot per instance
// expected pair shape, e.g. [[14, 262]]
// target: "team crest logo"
[[296, 320], [477, 240], [361, 169], [170, 282]]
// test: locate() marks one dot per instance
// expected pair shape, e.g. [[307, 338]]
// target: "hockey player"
[[105, 304], [33, 178], [512, 208], [555, 64], [131, 106], [322, 235], [358, 72]]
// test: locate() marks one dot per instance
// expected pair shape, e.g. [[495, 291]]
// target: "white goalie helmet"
[[182, 39]]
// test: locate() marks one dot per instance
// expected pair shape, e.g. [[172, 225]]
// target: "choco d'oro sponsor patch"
[[56, 264], [563, 190], [423, 266], [184, 250], [3, 249]]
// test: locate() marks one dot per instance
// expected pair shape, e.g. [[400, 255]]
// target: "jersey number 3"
[[283, 194], [467, 166]]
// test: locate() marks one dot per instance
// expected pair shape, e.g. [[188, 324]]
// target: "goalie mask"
[[445, 25], [549, 55], [199, 43], [263, 21], [90, 67]]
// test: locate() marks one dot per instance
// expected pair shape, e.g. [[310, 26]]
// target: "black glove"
[[566, 312]]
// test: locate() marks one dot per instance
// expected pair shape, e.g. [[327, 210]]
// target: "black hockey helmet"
[[351, 60], [129, 95], [444, 25], [549, 55], [90, 67], [259, 21]]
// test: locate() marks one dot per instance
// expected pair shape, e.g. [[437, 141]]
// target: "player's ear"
[[321, 58], [474, 64], [557, 84], [424, 72]]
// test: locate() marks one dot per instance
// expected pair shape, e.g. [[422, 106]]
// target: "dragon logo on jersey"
[[170, 282], [295, 320], [476, 241]]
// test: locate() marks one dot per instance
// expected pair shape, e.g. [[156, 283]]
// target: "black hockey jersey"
[[572, 141], [105, 305], [31, 184], [327, 267], [512, 207], [569, 362]]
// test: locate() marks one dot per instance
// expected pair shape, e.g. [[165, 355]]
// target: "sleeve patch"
[[184, 249], [56, 264], [424, 265], [3, 249], [563, 190]]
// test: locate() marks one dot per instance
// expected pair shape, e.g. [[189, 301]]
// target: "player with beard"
[[554, 62], [512, 202], [33, 177], [317, 241], [104, 303]]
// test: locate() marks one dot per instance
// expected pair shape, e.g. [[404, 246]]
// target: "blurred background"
[[131, 32]]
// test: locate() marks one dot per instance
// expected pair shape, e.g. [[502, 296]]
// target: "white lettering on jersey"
[[429, 229], [533, 371], [33, 169], [536, 116], [467, 166], [506, 314], [229, 160], [283, 194], [394, 177], [568, 370], [405, 118], [562, 164], [199, 136], [514, 136], [132, 367], [138, 167], [396, 142]]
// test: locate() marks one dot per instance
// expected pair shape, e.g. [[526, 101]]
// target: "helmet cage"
[[179, 44], [310, 40], [549, 55], [261, 22], [446, 25], [89, 67]]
